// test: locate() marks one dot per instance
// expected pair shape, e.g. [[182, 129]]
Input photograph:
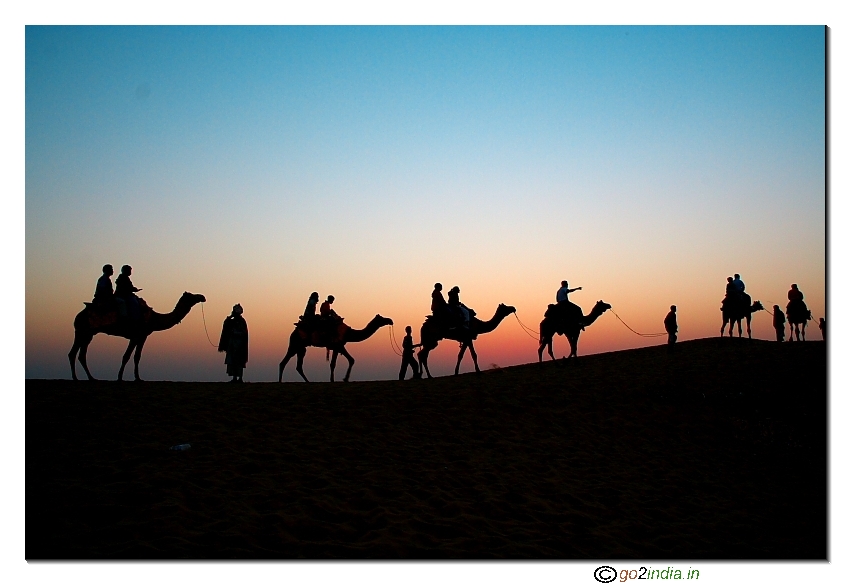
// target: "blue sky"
[[258, 164]]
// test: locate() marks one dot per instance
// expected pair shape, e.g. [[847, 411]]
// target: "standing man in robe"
[[672, 326], [234, 342]]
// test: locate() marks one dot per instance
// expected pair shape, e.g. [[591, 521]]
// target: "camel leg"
[[333, 364], [126, 358], [545, 343], [423, 362], [290, 352], [137, 357], [350, 359], [573, 346], [72, 355], [84, 348], [804, 331], [460, 357], [749, 331], [299, 363], [474, 356]]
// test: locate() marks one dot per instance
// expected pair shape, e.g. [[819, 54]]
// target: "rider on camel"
[[459, 311], [103, 294], [439, 307], [125, 292], [739, 283], [328, 318], [794, 294], [325, 311], [310, 310], [564, 292]]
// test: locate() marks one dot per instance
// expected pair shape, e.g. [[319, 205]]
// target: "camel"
[[798, 318], [300, 340], [735, 311], [92, 321], [569, 324], [432, 332]]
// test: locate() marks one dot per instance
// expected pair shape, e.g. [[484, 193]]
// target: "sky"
[[259, 164]]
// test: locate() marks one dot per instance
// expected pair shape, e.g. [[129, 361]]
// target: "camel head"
[[757, 306], [190, 300], [379, 321], [504, 311], [601, 307]]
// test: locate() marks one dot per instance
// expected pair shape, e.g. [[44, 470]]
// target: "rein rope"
[[393, 343], [526, 329], [205, 326], [654, 335]]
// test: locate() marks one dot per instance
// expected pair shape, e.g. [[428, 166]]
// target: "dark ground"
[[718, 451]]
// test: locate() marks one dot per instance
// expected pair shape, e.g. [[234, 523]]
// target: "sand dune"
[[717, 450]]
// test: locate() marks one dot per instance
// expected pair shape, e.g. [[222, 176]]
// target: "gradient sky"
[[259, 164]]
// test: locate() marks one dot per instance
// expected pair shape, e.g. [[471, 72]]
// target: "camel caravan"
[[122, 313]]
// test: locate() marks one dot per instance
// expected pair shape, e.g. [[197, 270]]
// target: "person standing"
[[671, 326], [103, 294], [407, 359], [234, 342], [779, 323], [822, 326]]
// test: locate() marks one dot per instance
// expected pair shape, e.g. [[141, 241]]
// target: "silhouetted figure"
[[433, 331], [310, 310], [822, 326], [569, 322], [325, 311], [779, 323], [443, 315], [737, 306], [563, 294], [798, 313], [125, 293], [460, 313], [103, 294], [234, 342], [407, 359], [303, 336], [739, 283], [671, 326], [89, 322]]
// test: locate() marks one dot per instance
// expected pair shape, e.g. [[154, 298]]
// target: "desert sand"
[[717, 450]]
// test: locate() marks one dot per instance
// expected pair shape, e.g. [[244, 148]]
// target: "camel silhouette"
[[299, 341], [91, 321], [798, 318], [735, 311], [432, 332], [570, 323]]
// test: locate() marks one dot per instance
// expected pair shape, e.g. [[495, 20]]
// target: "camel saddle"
[[321, 332], [101, 315], [564, 311]]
